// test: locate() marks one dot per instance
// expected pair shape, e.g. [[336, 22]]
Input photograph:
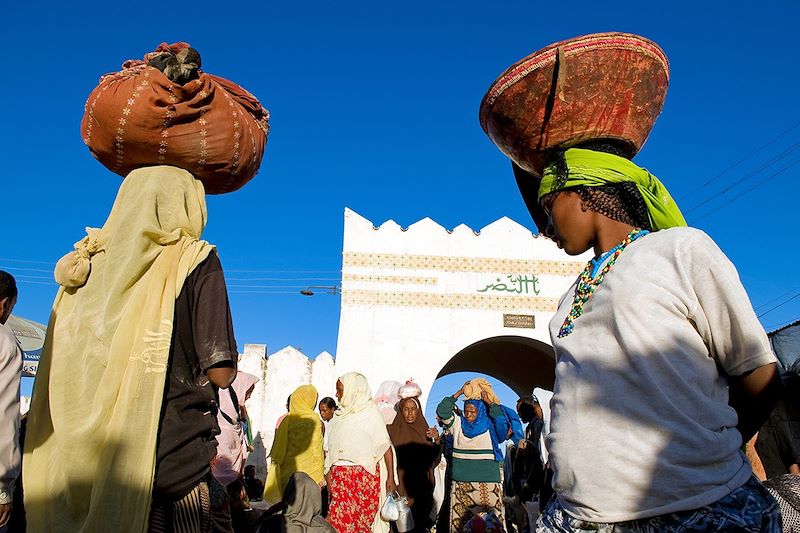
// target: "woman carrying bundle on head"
[[658, 320], [477, 489]]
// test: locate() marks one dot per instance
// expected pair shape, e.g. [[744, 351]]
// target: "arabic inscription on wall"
[[514, 283]]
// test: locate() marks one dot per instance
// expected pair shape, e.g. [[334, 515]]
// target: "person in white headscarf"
[[357, 441]]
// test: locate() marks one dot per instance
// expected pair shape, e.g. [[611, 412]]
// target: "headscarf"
[[416, 458], [90, 450], [386, 399], [481, 425], [304, 506], [228, 464], [591, 168], [357, 432], [401, 432], [241, 385], [298, 444], [473, 390]]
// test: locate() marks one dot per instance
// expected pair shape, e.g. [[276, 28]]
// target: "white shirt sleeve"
[[723, 314]]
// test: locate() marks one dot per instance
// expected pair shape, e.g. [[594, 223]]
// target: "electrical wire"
[[25, 261], [779, 305], [27, 269], [760, 183], [768, 302], [739, 181], [740, 161]]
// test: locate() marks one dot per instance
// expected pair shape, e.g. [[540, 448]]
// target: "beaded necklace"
[[587, 283]]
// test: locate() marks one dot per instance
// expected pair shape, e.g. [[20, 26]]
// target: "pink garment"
[[229, 462], [386, 399]]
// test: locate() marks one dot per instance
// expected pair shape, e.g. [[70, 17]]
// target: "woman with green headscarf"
[[644, 433]]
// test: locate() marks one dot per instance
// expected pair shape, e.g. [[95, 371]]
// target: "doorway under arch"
[[520, 362]]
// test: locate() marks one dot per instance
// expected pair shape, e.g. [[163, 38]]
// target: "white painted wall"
[[411, 300], [279, 375]]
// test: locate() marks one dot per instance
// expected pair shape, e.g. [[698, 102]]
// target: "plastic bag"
[[390, 510]]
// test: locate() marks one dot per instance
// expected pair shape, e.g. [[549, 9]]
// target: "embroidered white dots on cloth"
[[205, 124]]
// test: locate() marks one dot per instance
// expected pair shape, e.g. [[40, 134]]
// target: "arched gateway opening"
[[521, 363]]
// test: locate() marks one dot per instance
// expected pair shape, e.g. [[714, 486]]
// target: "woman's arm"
[[388, 458], [500, 420], [753, 395]]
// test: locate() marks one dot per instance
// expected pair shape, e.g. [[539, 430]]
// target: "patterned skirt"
[[355, 498], [471, 499]]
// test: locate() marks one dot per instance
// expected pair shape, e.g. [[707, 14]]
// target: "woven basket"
[[600, 86]]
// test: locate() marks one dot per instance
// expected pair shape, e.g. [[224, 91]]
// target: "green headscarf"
[[593, 169]]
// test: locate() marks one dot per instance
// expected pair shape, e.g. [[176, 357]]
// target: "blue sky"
[[374, 107]]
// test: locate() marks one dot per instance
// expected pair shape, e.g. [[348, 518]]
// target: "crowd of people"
[[372, 455]]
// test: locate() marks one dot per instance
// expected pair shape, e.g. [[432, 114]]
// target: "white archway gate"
[[423, 301]]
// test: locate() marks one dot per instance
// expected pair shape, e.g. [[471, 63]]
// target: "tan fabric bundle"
[[473, 389], [164, 110]]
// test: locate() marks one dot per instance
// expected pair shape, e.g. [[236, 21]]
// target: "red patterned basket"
[[599, 86]]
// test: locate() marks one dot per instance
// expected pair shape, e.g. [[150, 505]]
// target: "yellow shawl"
[[298, 444], [91, 441]]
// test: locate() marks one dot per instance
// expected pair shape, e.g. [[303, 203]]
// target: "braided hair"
[[618, 201]]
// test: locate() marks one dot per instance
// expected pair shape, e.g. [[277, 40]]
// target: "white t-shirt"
[[641, 424]]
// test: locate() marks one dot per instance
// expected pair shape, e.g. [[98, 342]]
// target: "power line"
[[787, 293], [283, 279], [746, 177], [25, 261], [50, 277], [241, 271], [267, 286], [27, 269], [780, 305], [286, 271], [740, 161], [760, 183], [263, 292]]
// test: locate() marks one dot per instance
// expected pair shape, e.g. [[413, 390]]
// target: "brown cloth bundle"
[[164, 110]]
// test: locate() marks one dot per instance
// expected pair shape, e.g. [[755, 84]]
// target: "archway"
[[520, 362]]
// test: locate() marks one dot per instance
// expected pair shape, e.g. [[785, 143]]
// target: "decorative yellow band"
[[448, 301]]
